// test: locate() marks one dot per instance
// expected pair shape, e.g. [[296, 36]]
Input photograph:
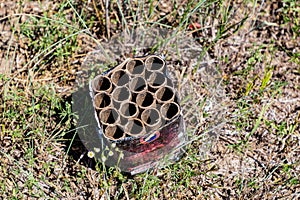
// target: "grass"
[[240, 96]]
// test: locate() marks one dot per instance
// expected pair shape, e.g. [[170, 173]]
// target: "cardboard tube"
[[165, 94], [109, 116], [135, 127], [151, 118], [156, 80], [138, 84], [121, 94], [155, 63], [102, 100], [101, 84], [114, 132], [129, 109], [145, 100], [170, 110], [120, 77], [135, 67]]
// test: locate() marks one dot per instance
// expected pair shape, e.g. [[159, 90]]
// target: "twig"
[[107, 18]]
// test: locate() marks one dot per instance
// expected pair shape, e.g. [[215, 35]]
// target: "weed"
[[37, 123]]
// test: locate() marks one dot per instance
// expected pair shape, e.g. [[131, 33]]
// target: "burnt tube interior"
[[120, 78], [101, 83], [150, 116], [170, 110], [155, 63], [165, 94], [144, 99], [114, 132], [135, 127], [121, 93], [102, 100], [129, 109], [109, 116], [157, 79], [138, 84], [135, 67]]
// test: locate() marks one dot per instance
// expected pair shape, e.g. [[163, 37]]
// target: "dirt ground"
[[252, 150]]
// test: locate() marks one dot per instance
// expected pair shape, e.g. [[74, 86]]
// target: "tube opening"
[[165, 94], [150, 117], [114, 132], [135, 67], [129, 109], [121, 94], [138, 84], [155, 63], [170, 110], [101, 83], [145, 99], [135, 127], [102, 100], [157, 79], [120, 78], [109, 116]]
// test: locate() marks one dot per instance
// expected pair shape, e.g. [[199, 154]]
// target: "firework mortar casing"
[[139, 119]]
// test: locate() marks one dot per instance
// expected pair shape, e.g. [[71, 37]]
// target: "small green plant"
[[259, 59]]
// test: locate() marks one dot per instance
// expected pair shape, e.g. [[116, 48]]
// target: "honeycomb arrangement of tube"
[[135, 98]]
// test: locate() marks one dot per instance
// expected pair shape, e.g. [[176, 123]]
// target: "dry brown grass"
[[241, 104]]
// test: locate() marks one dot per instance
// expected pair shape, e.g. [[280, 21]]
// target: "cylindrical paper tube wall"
[[135, 127], [129, 109], [135, 67], [170, 110], [114, 132], [102, 84], [157, 80], [102, 100], [138, 84], [151, 118], [155, 63], [119, 95], [145, 100], [109, 116], [165, 94], [120, 77]]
